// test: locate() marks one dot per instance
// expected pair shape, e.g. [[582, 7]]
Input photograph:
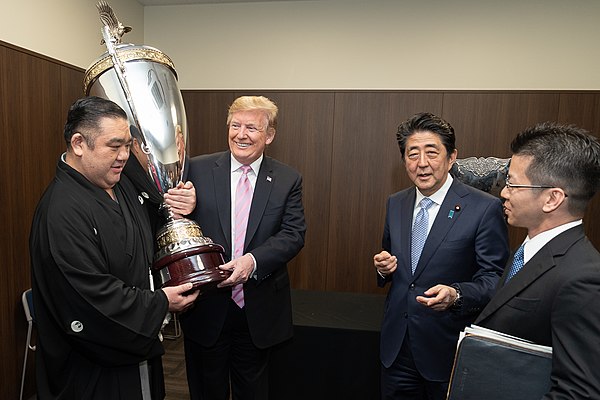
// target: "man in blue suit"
[[445, 245]]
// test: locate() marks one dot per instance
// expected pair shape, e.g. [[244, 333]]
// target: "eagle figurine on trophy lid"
[[143, 81]]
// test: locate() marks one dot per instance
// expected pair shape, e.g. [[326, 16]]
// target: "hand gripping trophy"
[[143, 81]]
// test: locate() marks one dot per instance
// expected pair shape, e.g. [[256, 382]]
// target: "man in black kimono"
[[91, 247]]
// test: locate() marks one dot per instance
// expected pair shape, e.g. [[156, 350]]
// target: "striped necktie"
[[243, 199]]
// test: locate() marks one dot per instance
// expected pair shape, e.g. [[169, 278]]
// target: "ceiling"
[[179, 2]]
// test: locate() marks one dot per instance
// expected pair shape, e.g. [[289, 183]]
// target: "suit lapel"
[[446, 217], [539, 264], [222, 185], [262, 191]]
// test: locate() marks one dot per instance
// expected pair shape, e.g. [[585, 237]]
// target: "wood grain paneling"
[[345, 204], [302, 141], [583, 109], [206, 117], [34, 96], [486, 123], [366, 169]]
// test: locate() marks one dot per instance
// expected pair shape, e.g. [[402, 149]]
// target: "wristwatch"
[[457, 304]]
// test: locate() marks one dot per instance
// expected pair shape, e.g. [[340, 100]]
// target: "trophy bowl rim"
[[126, 53]]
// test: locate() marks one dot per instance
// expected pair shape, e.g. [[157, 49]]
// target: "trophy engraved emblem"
[[143, 81]]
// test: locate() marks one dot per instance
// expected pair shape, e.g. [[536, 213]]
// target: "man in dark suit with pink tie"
[[445, 245], [252, 205]]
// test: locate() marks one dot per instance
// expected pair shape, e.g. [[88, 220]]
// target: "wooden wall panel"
[[583, 110], [366, 169], [206, 117], [486, 123], [349, 206], [302, 141], [35, 92], [590, 221]]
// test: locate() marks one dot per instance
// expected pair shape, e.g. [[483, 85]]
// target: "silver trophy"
[[143, 81]]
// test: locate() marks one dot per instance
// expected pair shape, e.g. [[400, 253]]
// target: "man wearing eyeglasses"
[[550, 291], [252, 205]]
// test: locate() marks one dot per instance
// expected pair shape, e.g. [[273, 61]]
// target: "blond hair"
[[254, 103]]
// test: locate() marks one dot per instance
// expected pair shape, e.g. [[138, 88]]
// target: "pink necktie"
[[243, 199]]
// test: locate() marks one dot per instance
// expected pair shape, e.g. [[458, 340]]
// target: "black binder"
[[492, 366]]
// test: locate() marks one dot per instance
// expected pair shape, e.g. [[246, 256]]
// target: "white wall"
[[379, 44], [336, 44], [68, 30]]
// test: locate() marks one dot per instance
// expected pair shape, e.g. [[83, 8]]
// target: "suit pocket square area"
[[523, 304]]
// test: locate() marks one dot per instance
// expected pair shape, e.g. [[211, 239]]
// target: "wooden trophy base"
[[199, 265]]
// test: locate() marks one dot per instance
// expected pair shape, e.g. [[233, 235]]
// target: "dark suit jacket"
[[275, 234], [468, 247], [555, 301]]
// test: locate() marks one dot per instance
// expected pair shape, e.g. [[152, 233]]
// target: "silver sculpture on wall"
[[484, 173]]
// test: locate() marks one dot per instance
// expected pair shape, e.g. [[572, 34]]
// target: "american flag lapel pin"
[[269, 179]]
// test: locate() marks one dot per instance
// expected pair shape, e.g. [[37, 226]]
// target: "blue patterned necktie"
[[517, 262], [419, 232]]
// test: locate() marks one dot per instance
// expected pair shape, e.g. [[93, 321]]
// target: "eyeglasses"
[[515, 186], [512, 185]]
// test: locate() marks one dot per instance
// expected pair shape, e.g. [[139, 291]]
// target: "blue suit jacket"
[[467, 245], [275, 234]]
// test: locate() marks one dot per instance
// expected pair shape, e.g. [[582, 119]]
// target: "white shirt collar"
[[236, 165], [532, 246], [439, 196]]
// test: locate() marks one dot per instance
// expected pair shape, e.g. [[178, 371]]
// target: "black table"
[[335, 350]]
